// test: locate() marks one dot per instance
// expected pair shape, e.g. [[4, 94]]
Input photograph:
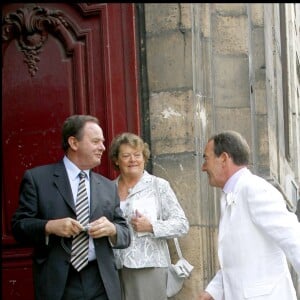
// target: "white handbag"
[[178, 272]]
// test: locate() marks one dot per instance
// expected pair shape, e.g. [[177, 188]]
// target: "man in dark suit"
[[46, 219]]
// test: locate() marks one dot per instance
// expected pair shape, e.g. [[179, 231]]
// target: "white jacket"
[[167, 218], [256, 234]]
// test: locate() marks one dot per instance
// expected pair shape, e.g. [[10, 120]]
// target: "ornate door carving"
[[57, 60]]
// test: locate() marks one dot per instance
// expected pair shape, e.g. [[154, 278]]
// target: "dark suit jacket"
[[45, 194]]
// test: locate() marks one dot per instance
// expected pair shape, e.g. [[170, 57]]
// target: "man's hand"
[[102, 227], [205, 296], [66, 227]]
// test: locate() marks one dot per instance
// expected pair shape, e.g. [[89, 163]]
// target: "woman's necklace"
[[129, 189]]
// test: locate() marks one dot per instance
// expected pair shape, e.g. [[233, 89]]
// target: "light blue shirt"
[[229, 187], [231, 182], [73, 175]]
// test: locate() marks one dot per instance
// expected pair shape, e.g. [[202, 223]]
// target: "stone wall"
[[212, 67]]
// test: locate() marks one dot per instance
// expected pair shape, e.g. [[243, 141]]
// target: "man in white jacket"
[[257, 234]]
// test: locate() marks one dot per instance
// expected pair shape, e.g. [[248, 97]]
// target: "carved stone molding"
[[30, 26]]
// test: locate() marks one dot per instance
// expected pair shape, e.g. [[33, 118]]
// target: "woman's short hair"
[[130, 139]]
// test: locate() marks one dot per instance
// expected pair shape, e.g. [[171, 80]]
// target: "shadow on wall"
[[298, 210]]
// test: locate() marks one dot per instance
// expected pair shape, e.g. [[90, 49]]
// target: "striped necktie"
[[80, 244]]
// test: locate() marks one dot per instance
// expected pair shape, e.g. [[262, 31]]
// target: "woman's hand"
[[140, 223]]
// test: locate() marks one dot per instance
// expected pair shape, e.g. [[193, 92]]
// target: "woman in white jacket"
[[154, 215]]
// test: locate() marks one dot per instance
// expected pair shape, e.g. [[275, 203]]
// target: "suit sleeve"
[[123, 233], [215, 287], [268, 211], [27, 228]]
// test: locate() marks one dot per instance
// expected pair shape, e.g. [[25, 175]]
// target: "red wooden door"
[[57, 60]]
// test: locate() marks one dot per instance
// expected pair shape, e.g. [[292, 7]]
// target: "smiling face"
[[213, 166], [87, 151], [131, 161]]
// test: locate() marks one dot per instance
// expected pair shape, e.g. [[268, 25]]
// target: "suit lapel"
[[62, 183], [229, 202], [223, 216], [95, 186]]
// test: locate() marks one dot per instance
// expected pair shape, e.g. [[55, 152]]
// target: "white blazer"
[[256, 235], [167, 218]]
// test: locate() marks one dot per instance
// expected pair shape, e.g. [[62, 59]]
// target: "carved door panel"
[[58, 60]]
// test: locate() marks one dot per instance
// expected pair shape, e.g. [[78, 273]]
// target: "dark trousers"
[[85, 285]]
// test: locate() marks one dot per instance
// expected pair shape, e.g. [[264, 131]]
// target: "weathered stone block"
[[165, 17], [230, 34], [231, 81], [172, 119], [169, 58]]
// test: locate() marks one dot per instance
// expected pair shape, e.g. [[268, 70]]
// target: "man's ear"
[[225, 156], [73, 142]]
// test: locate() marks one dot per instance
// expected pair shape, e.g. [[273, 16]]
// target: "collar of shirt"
[[73, 170], [231, 182], [142, 184]]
